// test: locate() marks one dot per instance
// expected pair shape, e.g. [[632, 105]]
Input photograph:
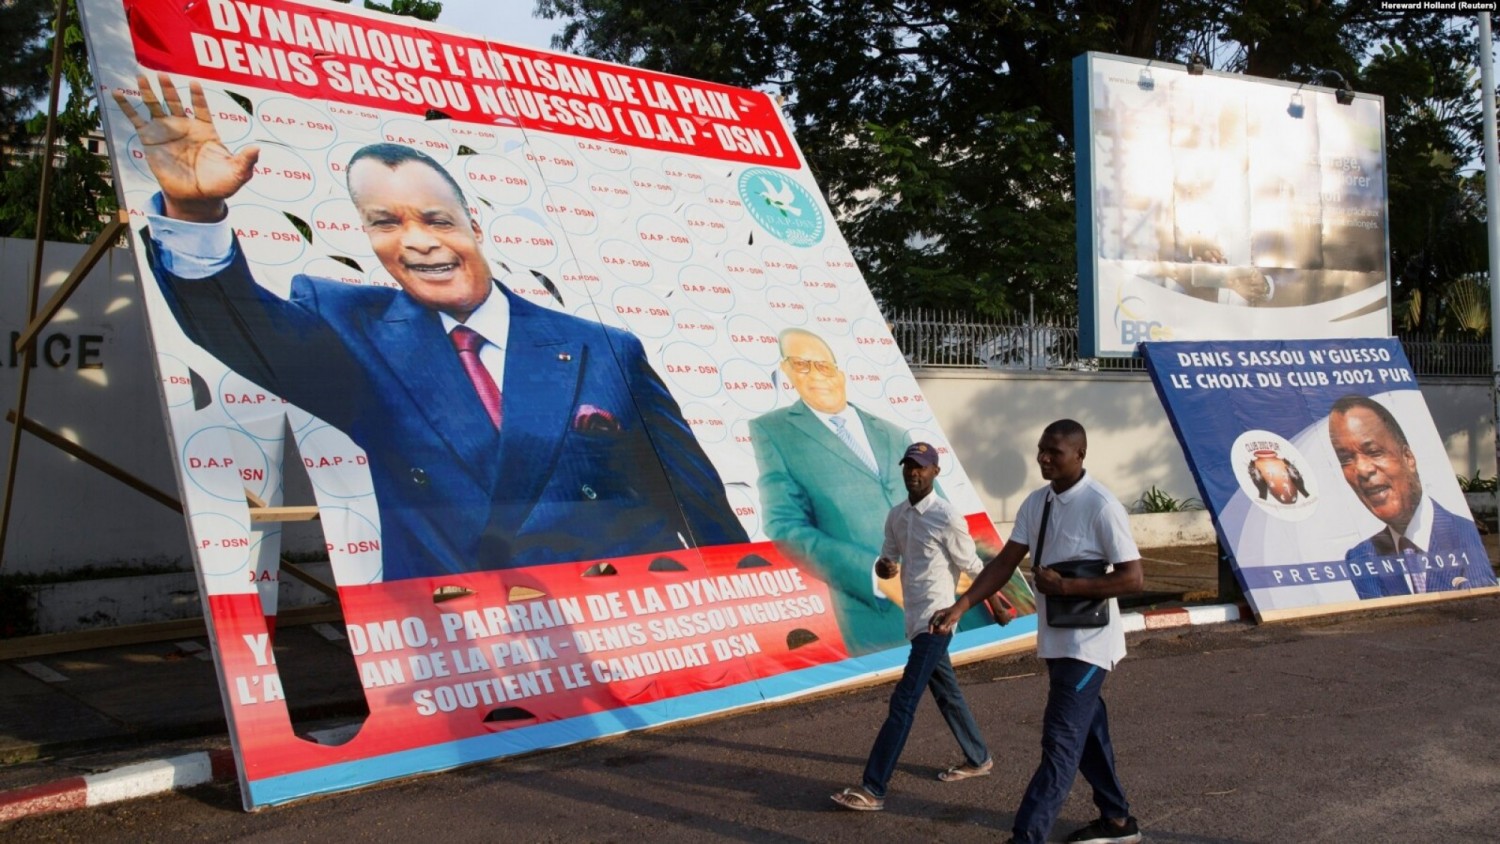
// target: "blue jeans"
[[1075, 738], [927, 666]]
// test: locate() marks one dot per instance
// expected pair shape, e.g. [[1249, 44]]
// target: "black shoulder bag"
[[1072, 612]]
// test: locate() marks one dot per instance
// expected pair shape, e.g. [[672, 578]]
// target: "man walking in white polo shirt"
[[1083, 522]]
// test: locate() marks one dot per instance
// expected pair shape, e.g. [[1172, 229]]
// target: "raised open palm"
[[195, 170]]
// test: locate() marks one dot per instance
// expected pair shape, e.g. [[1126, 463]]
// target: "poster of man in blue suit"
[[513, 311], [499, 433], [1381, 470], [1308, 452]]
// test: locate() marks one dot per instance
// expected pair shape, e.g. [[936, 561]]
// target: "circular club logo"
[[267, 236], [696, 328], [474, 137], [572, 211], [336, 222], [523, 241], [423, 137], [497, 179], [780, 266], [906, 398], [865, 377], [609, 190], [1269, 472], [297, 124], [707, 424], [583, 280], [745, 508], [781, 206], [706, 224], [684, 174]]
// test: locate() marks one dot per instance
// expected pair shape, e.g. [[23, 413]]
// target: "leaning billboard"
[[601, 419], [1217, 206], [1329, 484]]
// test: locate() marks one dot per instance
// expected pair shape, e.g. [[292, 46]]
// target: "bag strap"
[[1041, 536]]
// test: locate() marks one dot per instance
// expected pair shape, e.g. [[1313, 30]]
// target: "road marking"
[[196, 650], [42, 672], [1162, 562]]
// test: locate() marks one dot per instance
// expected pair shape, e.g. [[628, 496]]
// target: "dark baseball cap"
[[921, 454]]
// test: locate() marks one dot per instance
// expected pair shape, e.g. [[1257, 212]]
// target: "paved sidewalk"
[[120, 722]]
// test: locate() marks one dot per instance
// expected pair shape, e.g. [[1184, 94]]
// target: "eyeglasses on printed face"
[[802, 366]]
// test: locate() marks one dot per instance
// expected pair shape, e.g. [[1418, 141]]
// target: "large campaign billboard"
[[1327, 479], [1215, 206], [601, 419]]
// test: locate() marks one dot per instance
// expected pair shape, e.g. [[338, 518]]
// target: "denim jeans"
[[1075, 738], [928, 666]]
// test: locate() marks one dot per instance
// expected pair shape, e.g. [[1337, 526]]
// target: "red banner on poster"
[[456, 657], [320, 54]]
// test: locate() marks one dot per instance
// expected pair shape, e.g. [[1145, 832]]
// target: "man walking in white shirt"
[[927, 541], [1083, 521]]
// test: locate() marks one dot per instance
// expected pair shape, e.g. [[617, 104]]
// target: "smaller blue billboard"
[[1327, 479]]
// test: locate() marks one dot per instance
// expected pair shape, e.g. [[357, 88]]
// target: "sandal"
[[859, 799], [964, 771]]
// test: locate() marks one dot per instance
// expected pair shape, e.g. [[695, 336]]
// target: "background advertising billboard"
[[1327, 480], [601, 419], [1218, 206]]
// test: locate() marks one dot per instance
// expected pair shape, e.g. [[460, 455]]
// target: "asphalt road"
[[1376, 727]]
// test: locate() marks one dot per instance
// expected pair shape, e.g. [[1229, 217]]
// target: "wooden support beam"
[[301, 574], [135, 634], [102, 243], [43, 216], [34, 428], [297, 513], [259, 512]]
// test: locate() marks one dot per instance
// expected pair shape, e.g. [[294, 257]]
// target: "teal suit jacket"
[[822, 505]]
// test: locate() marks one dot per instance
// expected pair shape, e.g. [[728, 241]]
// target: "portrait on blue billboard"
[[1328, 481]]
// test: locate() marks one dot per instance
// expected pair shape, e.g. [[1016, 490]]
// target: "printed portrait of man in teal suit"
[[829, 474]]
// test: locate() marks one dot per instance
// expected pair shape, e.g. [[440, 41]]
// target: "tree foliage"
[[80, 189], [426, 10], [81, 196], [942, 131]]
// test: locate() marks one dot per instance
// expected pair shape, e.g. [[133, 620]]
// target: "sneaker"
[[1103, 831]]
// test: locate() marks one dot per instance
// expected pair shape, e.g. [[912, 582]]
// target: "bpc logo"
[[1133, 328]]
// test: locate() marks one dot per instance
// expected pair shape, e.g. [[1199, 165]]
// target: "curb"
[[128, 783], [1183, 617], [145, 779]]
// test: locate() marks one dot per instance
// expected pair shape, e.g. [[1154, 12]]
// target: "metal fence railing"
[[957, 340]]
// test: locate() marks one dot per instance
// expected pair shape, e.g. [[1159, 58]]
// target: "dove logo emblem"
[[781, 206]]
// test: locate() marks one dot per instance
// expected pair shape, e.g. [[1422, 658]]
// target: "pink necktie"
[[467, 341]]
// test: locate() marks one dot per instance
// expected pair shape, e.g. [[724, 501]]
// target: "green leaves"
[[81, 194], [426, 10], [1157, 500], [942, 131]]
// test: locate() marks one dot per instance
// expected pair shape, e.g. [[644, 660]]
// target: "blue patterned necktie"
[[841, 427], [1418, 578]]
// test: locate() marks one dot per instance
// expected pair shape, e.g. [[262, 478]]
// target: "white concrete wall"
[[66, 514], [95, 385], [98, 388], [994, 420]]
